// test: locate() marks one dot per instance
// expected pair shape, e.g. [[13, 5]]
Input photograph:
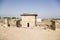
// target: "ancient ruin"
[[29, 20]]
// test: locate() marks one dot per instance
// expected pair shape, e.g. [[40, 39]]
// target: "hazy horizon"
[[44, 8]]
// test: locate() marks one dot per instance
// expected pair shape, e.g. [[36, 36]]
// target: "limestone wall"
[[3, 22], [28, 19], [13, 22], [9, 22], [57, 24]]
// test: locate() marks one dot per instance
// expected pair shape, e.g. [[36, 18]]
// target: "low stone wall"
[[57, 24]]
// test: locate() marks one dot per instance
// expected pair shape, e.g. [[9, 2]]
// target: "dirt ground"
[[28, 34]]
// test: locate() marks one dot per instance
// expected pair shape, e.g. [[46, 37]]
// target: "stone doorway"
[[27, 24]]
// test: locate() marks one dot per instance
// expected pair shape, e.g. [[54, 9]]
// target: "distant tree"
[[13, 17], [7, 17], [0, 17], [4, 17]]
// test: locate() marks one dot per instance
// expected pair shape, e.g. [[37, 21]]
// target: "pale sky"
[[44, 8]]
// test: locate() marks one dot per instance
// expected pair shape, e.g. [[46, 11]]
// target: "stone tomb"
[[28, 20]]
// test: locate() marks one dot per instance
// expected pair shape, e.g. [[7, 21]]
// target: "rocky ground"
[[7, 33]]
